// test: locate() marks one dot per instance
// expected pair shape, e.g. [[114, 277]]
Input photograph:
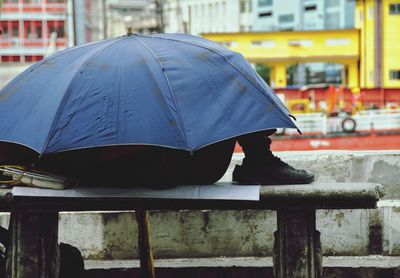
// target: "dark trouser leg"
[[260, 166], [204, 166], [256, 146]]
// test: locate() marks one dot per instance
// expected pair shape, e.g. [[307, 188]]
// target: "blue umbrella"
[[172, 90]]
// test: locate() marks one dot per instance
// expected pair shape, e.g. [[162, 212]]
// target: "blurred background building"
[[293, 15], [99, 19], [209, 16], [29, 31], [327, 59], [299, 15], [89, 21], [292, 43]]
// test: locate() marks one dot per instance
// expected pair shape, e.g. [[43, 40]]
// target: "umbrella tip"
[[130, 31]]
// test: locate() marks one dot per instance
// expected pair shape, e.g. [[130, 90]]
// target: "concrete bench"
[[34, 223]]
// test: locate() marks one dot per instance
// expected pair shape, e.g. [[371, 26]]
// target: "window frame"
[[394, 74], [310, 7], [394, 9]]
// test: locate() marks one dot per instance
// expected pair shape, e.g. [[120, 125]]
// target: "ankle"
[[266, 157]]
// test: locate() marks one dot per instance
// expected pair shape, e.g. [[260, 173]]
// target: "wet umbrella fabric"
[[171, 90]]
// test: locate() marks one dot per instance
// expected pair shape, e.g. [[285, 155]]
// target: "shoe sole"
[[306, 180]]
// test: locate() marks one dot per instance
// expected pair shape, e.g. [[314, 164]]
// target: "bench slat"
[[317, 195]]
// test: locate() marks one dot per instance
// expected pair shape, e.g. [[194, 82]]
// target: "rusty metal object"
[[145, 252]]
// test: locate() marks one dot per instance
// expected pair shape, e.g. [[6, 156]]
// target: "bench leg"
[[33, 251], [297, 248], [145, 252]]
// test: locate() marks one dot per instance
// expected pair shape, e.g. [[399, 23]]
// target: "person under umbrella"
[[158, 110]]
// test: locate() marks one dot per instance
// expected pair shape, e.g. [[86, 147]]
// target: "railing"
[[310, 123], [18, 43], [34, 7], [377, 120], [371, 120]]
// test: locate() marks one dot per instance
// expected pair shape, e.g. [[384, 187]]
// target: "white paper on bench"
[[218, 191]]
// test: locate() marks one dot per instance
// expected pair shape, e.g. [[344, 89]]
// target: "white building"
[[208, 16], [288, 15], [138, 14]]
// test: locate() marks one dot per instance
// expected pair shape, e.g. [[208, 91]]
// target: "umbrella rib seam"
[[219, 54], [68, 93], [170, 89]]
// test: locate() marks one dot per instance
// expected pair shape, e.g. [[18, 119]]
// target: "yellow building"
[[279, 50], [379, 24], [370, 52]]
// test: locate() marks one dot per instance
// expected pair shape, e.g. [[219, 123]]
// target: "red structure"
[[331, 95], [26, 27]]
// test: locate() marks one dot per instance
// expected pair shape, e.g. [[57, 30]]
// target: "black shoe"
[[272, 171]]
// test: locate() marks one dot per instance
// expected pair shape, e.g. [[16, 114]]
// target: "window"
[[284, 18], [243, 6], [332, 20], [9, 29], [10, 58], [306, 43], [264, 43], [263, 3], [334, 42], [371, 76], [56, 26], [394, 74], [33, 29], [264, 14], [229, 44], [332, 3], [370, 14], [394, 8], [309, 8], [33, 58], [15, 30]]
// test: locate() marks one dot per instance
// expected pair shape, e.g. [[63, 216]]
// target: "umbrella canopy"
[[171, 90]]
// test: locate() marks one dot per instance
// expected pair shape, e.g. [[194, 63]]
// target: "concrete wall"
[[177, 234], [186, 234]]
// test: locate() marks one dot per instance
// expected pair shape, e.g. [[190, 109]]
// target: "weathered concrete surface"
[[318, 191], [226, 233], [100, 235], [200, 233], [390, 211]]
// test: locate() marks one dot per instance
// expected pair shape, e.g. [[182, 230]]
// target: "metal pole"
[[105, 23], [74, 21]]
